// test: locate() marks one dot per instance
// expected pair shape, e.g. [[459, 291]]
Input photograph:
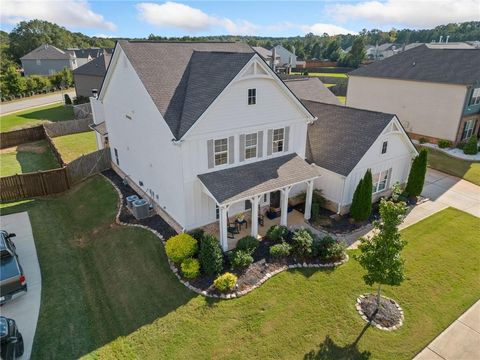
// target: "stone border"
[[378, 326], [205, 293]]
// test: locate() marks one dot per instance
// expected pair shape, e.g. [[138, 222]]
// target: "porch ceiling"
[[245, 181]]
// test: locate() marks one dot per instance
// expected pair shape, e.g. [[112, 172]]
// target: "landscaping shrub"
[[336, 251], [471, 147], [320, 246], [442, 144], [190, 268], [315, 211], [305, 73], [240, 259], [301, 242], [280, 250], [461, 145], [416, 178], [248, 244], [361, 207], [68, 101], [225, 282], [181, 247], [277, 233], [211, 256], [422, 140], [197, 234]]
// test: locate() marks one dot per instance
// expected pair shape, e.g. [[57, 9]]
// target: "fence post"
[[66, 177], [44, 188]]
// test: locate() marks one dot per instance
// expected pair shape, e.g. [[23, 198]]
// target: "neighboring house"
[[287, 58], [311, 88], [383, 51], [434, 90], [88, 78], [47, 60], [83, 56], [266, 55], [345, 142], [204, 143]]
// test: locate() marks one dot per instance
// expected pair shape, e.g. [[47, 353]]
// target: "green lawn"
[[27, 158], [107, 292], [36, 116], [73, 146], [467, 170], [339, 75]]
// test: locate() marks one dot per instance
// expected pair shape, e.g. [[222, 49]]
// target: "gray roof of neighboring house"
[[341, 136], [455, 66], [95, 67], [256, 178], [264, 53], [184, 78], [311, 88], [91, 52], [47, 52]]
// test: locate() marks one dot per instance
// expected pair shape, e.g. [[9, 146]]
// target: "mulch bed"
[[155, 222], [388, 314]]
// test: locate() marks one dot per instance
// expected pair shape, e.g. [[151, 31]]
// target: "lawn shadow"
[[36, 156], [308, 272], [54, 114], [328, 349]]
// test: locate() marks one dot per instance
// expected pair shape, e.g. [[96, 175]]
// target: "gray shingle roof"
[[245, 181], [47, 52], [342, 135], [184, 78], [90, 52], [456, 66], [311, 88], [95, 67]]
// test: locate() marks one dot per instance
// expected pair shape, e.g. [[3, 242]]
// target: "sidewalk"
[[460, 341]]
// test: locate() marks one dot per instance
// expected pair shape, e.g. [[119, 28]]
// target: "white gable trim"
[[255, 61], [111, 68], [385, 132]]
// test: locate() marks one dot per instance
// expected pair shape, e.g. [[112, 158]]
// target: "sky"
[[264, 18]]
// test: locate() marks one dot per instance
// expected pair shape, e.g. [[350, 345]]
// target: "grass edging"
[[232, 295]]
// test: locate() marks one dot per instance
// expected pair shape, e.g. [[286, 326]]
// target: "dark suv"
[[11, 341], [12, 277]]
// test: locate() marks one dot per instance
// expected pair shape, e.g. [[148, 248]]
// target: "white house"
[[208, 130], [286, 57], [345, 142]]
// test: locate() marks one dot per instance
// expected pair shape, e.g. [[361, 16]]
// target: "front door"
[[275, 199]]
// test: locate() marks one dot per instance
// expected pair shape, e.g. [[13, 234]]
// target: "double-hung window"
[[475, 99], [278, 140], [252, 96], [251, 141], [221, 151], [468, 129], [380, 181]]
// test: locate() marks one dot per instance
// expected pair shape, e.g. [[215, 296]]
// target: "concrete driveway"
[[34, 101], [460, 341], [24, 309]]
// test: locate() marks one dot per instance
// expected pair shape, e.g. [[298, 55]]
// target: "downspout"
[[339, 206]]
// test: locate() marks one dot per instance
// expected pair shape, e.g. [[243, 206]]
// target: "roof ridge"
[[350, 107]]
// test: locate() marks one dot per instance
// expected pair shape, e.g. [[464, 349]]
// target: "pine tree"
[[356, 201], [416, 178], [362, 199]]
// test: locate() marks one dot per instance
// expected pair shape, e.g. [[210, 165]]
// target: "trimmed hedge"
[[361, 207], [277, 233], [280, 250], [211, 255], [190, 268], [416, 178], [225, 282], [240, 259], [248, 244], [301, 242], [181, 247], [443, 144], [471, 147]]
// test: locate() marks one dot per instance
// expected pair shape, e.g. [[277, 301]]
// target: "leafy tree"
[[416, 178], [361, 207], [211, 256], [15, 84], [380, 255]]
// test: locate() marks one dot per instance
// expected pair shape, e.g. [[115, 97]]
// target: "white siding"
[[331, 185], [146, 152]]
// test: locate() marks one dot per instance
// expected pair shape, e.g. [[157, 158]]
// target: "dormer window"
[[384, 147], [252, 96]]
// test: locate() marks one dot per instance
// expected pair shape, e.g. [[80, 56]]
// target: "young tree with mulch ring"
[[361, 207], [416, 178], [380, 255]]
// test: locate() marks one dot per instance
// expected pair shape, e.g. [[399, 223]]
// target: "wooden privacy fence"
[[41, 183], [17, 137], [68, 127]]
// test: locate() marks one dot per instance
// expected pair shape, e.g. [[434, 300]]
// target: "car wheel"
[[19, 346]]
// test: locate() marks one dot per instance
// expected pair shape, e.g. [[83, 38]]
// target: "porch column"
[[284, 205], [223, 220], [255, 203], [308, 200]]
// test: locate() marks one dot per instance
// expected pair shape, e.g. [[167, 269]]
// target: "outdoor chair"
[[232, 229]]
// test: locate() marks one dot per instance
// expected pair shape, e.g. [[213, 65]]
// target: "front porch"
[[250, 183]]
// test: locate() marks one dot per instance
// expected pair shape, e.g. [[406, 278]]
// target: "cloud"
[[68, 13], [418, 13], [184, 17]]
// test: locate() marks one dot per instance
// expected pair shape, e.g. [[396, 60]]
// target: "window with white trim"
[[221, 151], [252, 96], [468, 129], [384, 147], [251, 141], [39, 62], [379, 181], [278, 140], [475, 99]]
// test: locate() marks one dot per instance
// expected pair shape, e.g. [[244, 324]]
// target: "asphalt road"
[[34, 101]]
